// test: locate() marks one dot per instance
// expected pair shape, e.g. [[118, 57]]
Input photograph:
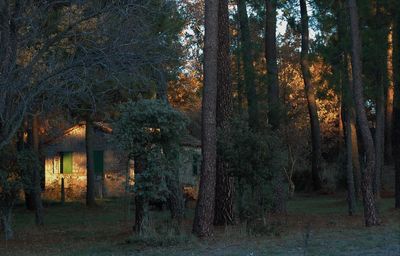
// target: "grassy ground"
[[315, 225]]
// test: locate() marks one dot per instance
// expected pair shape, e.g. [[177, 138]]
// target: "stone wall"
[[116, 168], [111, 183]]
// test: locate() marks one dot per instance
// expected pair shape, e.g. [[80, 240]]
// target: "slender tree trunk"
[[396, 107], [240, 89], [204, 215], [351, 194], [36, 173], [346, 114], [354, 136], [341, 120], [370, 212], [274, 103], [379, 138], [225, 187], [90, 175], [175, 201], [274, 106], [389, 102], [247, 55], [141, 205], [355, 153], [312, 104], [381, 39], [28, 191], [6, 224]]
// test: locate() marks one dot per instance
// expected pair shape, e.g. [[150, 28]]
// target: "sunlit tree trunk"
[[248, 69], [370, 212], [351, 195], [389, 101], [346, 111], [224, 189], [90, 175], [204, 215], [312, 104]]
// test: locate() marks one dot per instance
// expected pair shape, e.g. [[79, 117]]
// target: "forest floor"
[[315, 225]]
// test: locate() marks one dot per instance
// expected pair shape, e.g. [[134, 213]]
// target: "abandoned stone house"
[[65, 164]]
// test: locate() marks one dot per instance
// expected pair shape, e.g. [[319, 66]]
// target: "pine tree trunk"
[[370, 212], [379, 139], [90, 175], [355, 153], [141, 205], [225, 187], [389, 102], [381, 81], [312, 104], [248, 69], [274, 106], [351, 195], [396, 107], [175, 200], [6, 224], [36, 173], [204, 215], [29, 191]]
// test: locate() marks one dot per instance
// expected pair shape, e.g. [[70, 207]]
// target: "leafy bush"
[[255, 158], [150, 131]]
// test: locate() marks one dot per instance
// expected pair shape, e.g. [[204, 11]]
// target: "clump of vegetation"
[[256, 158], [150, 131], [15, 174]]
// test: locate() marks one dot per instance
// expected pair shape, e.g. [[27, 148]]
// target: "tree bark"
[[204, 215], [37, 173], [225, 187], [274, 103], [90, 175], [355, 152], [274, 106], [379, 137], [381, 80], [311, 101], [370, 212], [141, 205], [6, 224], [396, 107], [389, 102], [351, 194], [248, 69]]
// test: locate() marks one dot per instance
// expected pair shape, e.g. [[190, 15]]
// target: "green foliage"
[[28, 161], [10, 179], [254, 157], [150, 130]]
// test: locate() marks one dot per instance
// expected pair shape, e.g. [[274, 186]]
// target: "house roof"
[[187, 139]]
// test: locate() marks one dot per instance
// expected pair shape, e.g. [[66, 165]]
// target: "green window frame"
[[98, 159], [66, 163]]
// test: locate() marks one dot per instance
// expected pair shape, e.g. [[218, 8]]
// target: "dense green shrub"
[[254, 157], [150, 131]]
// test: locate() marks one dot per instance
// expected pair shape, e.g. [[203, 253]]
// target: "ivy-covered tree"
[[150, 132]]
